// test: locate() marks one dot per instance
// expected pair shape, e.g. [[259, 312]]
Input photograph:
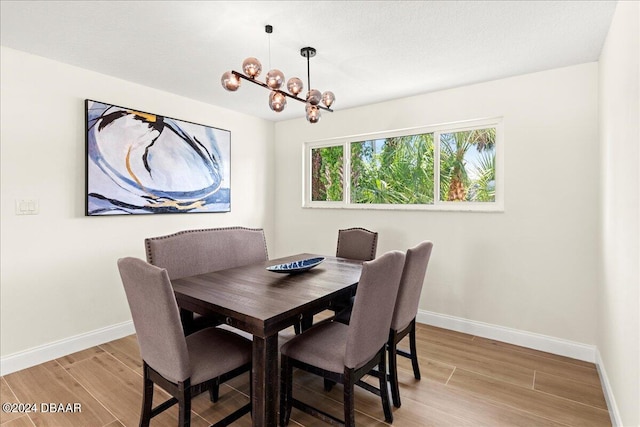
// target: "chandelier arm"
[[259, 83]]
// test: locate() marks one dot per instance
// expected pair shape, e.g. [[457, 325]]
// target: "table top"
[[262, 302]]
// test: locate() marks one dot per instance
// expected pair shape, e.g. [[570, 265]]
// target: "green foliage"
[[483, 189], [327, 173], [393, 171]]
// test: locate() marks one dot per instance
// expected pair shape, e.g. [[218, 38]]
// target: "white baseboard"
[[512, 336], [614, 414], [588, 353], [44, 353]]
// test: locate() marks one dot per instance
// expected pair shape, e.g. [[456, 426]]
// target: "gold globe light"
[[277, 101], [314, 97], [230, 82], [251, 67], [313, 113], [294, 86], [327, 98], [275, 79]]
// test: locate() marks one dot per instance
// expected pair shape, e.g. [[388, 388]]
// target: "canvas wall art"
[[143, 163]]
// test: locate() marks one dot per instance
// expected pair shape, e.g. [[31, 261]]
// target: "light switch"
[[27, 207]]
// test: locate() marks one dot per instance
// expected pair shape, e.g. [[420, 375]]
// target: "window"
[[445, 167]]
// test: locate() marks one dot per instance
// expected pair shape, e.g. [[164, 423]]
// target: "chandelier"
[[314, 101]]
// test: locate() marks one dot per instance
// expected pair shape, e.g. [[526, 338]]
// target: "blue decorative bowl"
[[296, 266]]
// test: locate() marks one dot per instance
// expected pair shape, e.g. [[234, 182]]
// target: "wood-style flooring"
[[466, 381]]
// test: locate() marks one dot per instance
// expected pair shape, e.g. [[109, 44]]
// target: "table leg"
[[186, 317], [264, 408]]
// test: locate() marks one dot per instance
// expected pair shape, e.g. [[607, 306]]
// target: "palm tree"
[[454, 179], [483, 188]]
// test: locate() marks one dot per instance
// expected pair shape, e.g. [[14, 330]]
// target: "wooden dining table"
[[262, 303]]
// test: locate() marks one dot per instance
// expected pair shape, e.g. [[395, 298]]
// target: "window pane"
[[326, 173], [395, 170], [467, 166]]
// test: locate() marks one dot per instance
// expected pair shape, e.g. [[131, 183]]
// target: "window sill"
[[444, 207]]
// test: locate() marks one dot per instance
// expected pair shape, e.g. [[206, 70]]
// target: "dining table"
[[262, 302]]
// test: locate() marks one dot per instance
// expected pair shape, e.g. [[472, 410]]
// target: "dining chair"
[[354, 243], [403, 322], [345, 353], [184, 366], [193, 252], [357, 243]]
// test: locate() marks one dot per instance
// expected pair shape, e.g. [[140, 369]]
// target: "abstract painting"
[[142, 163]]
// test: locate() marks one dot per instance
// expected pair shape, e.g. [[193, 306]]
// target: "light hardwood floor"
[[466, 381]]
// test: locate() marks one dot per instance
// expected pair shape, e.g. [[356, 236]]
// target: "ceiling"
[[368, 51]]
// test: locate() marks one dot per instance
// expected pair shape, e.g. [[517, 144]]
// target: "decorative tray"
[[296, 266]]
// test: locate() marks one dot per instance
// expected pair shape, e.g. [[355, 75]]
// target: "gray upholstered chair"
[[345, 353], [192, 252], [183, 366], [404, 315], [357, 243], [403, 322], [353, 243]]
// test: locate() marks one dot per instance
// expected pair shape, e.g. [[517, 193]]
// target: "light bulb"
[[275, 78], [327, 98], [314, 97], [251, 67], [313, 113], [230, 82], [277, 101], [294, 86]]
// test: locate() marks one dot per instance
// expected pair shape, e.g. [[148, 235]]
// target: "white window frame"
[[438, 205]]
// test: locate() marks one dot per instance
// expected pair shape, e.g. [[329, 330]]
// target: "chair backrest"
[[357, 243], [156, 318], [415, 268], [192, 252], [373, 308]]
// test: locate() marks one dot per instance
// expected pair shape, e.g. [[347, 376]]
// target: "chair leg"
[[214, 391], [286, 385], [384, 392], [186, 318], [147, 398], [349, 405], [184, 404], [414, 353], [393, 369]]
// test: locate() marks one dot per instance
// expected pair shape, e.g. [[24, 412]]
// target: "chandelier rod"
[[308, 52], [308, 55], [259, 83]]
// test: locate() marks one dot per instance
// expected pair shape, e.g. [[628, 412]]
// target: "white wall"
[[58, 271], [619, 293], [533, 267]]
